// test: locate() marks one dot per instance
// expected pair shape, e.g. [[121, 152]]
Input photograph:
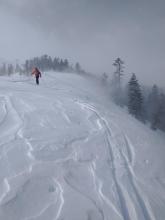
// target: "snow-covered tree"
[[135, 98]]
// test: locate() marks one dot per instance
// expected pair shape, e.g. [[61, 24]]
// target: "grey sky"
[[93, 32]]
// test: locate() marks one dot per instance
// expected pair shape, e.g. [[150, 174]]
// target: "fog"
[[92, 32]]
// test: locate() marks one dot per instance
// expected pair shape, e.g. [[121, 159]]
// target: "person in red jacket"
[[37, 74]]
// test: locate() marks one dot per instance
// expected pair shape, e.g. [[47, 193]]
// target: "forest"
[[145, 103]]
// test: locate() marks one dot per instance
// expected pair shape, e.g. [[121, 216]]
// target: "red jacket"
[[36, 72]]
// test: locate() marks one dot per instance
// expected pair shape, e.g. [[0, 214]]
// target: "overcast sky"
[[93, 32]]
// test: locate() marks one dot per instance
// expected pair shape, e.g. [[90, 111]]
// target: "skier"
[[37, 73]]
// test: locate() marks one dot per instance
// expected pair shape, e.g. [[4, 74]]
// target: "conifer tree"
[[119, 64], [116, 81], [135, 99], [161, 113], [10, 69], [153, 107], [4, 69]]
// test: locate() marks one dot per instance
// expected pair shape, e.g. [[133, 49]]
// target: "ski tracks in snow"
[[132, 201], [12, 127]]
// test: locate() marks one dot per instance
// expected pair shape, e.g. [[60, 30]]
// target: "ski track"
[[4, 107], [130, 150], [17, 133], [120, 157], [128, 160], [98, 187], [62, 201], [142, 201], [7, 189]]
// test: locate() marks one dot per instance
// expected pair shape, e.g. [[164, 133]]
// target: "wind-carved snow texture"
[[117, 156], [63, 157]]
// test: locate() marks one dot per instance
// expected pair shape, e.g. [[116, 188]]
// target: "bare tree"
[[119, 65], [116, 86]]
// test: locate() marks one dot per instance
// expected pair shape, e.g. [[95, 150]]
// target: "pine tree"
[[153, 107], [116, 82], [46, 63], [61, 65], [135, 99], [161, 113], [66, 64], [119, 65], [10, 69], [27, 66], [4, 69]]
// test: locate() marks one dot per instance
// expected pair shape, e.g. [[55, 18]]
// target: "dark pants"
[[37, 80]]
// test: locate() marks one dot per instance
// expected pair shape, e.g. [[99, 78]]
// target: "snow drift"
[[67, 152]]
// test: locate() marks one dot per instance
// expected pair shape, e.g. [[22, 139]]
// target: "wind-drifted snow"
[[68, 153]]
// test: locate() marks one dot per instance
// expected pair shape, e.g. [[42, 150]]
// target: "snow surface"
[[68, 153]]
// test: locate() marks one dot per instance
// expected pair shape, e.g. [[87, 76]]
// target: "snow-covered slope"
[[68, 153]]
